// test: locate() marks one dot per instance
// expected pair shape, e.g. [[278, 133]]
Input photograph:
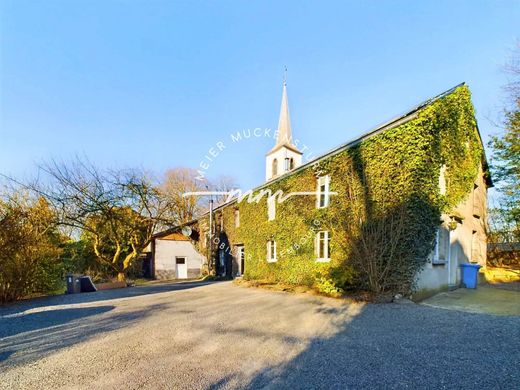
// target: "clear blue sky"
[[155, 84]]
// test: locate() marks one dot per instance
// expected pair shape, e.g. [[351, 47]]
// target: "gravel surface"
[[195, 335]]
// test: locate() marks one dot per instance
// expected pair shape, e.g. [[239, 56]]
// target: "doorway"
[[240, 260], [181, 268]]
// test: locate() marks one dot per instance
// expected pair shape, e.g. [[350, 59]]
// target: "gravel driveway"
[[219, 335]]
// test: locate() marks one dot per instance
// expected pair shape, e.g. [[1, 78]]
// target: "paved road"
[[224, 336]]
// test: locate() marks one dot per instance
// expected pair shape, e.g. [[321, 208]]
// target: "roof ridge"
[[395, 121]]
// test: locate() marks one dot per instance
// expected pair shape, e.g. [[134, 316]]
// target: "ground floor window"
[[271, 251], [323, 246], [442, 246], [241, 259]]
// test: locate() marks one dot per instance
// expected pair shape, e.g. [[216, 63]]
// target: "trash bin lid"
[[471, 265]]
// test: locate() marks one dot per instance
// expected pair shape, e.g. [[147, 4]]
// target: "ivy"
[[393, 173]]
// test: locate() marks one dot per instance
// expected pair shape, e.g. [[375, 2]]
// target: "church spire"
[[284, 136], [285, 156]]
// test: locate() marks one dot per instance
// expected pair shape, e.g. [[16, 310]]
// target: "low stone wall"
[[163, 274], [110, 285]]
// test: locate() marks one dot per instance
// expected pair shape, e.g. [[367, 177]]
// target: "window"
[[271, 251], [475, 247], [478, 201], [237, 218], [221, 221], [271, 208], [323, 246], [442, 246], [289, 164], [241, 259], [275, 167], [442, 180], [323, 192]]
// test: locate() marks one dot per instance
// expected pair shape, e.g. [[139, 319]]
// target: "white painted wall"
[[281, 154], [167, 250], [465, 246]]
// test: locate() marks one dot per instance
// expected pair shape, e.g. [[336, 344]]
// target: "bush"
[[29, 249]]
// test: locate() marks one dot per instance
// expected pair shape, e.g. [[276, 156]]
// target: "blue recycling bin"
[[470, 274]]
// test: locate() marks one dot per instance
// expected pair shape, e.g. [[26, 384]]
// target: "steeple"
[[284, 131], [285, 156], [284, 122]]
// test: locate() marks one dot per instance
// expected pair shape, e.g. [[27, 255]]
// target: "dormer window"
[[275, 167]]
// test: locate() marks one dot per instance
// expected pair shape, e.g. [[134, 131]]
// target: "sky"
[[157, 84]]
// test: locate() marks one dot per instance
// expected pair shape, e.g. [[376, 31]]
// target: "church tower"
[[285, 156]]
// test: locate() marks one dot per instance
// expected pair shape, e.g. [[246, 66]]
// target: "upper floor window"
[[275, 167], [237, 218], [289, 164], [221, 221], [271, 208], [271, 251], [323, 246], [442, 180], [323, 195]]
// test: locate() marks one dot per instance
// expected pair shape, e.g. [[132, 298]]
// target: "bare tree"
[[505, 159], [379, 240], [223, 183], [512, 69], [117, 210], [180, 208]]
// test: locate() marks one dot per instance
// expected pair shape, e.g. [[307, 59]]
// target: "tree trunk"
[[121, 277]]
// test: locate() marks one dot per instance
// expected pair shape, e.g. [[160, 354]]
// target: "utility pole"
[[210, 247]]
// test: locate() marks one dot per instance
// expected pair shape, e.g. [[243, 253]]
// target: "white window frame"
[[271, 247], [271, 208], [323, 181], [436, 259], [288, 164], [322, 257]]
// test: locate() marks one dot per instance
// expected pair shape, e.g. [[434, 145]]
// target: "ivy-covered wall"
[[379, 180]]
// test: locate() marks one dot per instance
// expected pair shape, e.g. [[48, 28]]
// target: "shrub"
[[29, 251]]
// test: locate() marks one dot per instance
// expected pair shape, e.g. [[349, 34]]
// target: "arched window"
[[289, 164], [275, 167]]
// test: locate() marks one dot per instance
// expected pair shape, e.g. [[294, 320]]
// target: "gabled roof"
[[394, 122], [174, 229]]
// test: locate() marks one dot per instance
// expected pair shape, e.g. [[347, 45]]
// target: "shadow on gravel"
[[405, 346], [21, 323], [29, 337], [98, 296]]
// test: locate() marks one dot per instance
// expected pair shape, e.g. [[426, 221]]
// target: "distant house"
[[429, 160], [174, 256]]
